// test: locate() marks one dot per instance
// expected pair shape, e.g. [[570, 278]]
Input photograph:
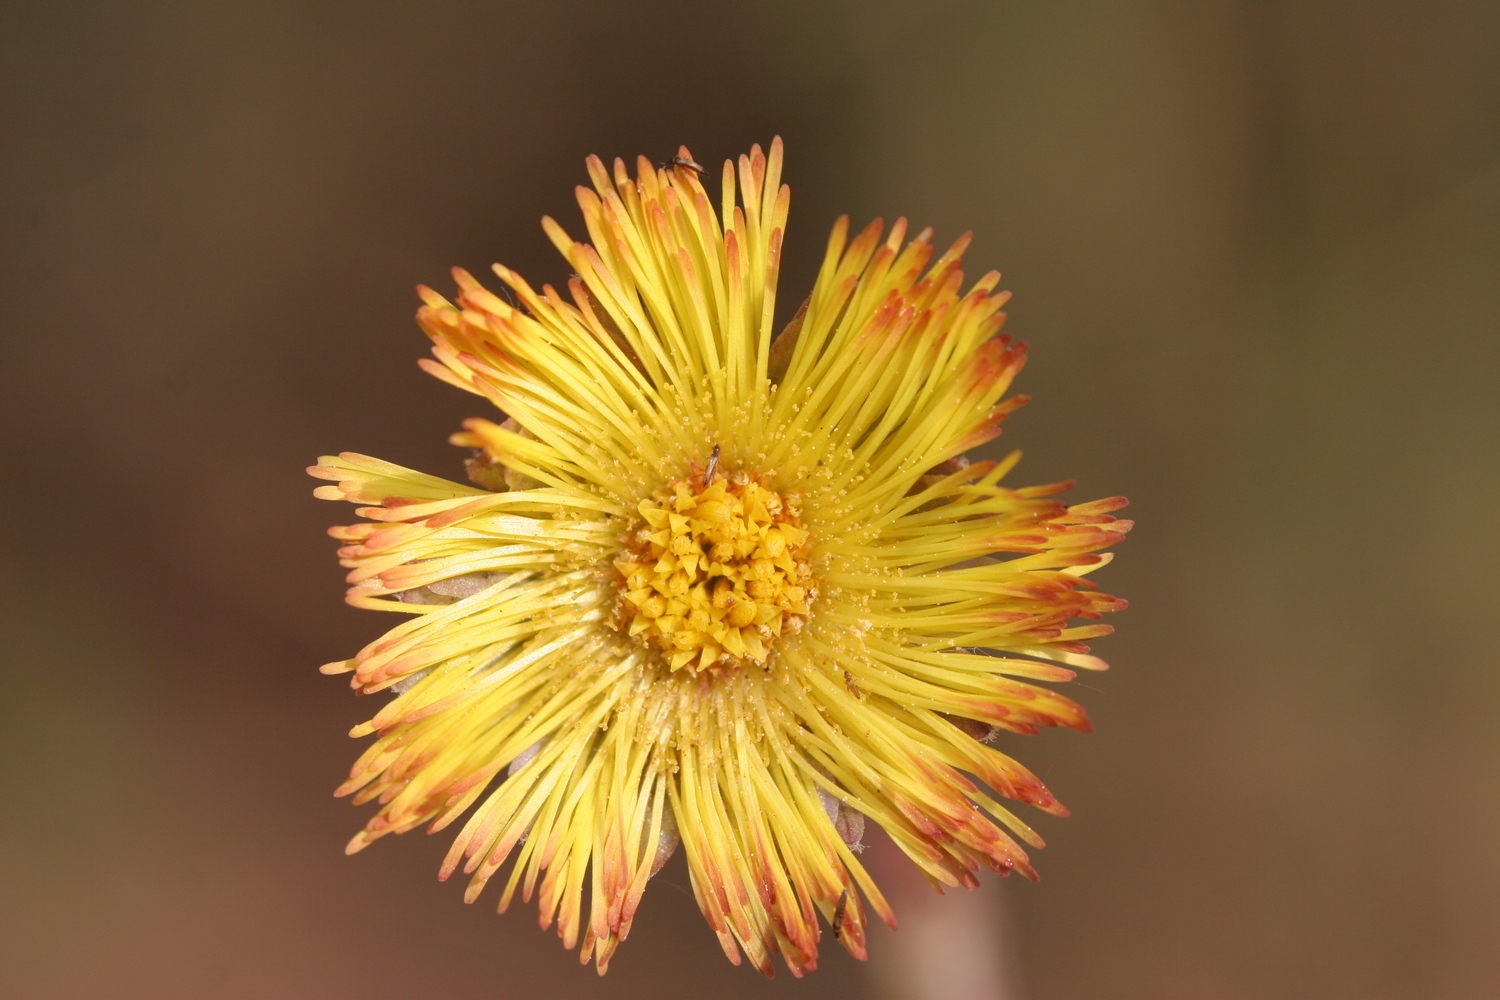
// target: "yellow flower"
[[714, 585]]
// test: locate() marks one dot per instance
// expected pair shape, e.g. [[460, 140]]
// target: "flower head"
[[714, 586]]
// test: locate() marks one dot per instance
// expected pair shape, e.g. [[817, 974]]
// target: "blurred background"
[[1255, 247]]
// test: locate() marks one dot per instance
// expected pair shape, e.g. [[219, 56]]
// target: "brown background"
[[1255, 247]]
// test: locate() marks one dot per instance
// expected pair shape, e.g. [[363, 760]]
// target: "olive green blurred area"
[[1255, 249]]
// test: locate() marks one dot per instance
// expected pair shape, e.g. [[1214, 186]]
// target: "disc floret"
[[716, 573]]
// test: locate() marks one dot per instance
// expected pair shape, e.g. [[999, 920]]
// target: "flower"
[[714, 586]]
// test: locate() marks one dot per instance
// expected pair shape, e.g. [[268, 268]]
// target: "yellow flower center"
[[716, 573]]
